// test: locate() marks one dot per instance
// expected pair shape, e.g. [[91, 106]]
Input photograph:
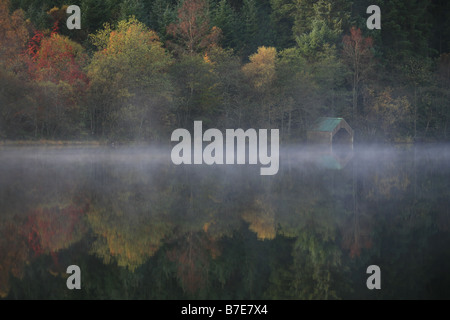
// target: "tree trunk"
[[289, 124], [415, 112]]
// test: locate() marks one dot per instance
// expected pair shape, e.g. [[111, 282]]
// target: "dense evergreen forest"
[[138, 69]]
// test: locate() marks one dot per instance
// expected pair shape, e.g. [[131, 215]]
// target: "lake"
[[140, 227]]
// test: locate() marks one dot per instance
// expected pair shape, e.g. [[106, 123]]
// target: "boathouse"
[[330, 131]]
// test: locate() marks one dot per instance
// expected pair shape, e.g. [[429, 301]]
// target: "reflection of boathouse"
[[334, 160], [331, 131]]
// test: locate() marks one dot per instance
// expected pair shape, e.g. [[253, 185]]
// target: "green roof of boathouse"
[[325, 124]]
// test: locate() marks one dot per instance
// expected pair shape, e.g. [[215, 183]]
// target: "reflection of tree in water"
[[127, 213], [356, 233], [54, 229], [309, 206], [192, 254], [196, 233], [46, 231], [261, 218], [357, 224], [317, 264], [13, 255], [124, 241]]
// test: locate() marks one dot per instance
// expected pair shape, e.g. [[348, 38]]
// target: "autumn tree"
[[58, 15], [124, 241], [51, 68], [261, 69], [13, 34], [388, 116], [56, 58], [356, 234], [261, 73], [192, 33], [358, 56], [14, 100], [129, 91], [260, 217], [56, 64], [53, 229]]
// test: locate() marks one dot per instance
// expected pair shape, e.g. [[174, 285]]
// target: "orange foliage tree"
[[13, 34], [192, 32], [358, 56]]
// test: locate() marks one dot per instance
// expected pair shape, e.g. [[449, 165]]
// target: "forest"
[[138, 69]]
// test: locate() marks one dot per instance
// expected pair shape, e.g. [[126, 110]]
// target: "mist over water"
[[129, 217]]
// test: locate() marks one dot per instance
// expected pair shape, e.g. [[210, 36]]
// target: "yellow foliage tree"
[[128, 243], [389, 113], [261, 219], [261, 68], [128, 81]]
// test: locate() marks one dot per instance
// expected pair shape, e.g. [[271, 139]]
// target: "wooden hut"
[[330, 131]]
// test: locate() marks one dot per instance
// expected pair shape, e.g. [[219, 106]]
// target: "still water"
[[141, 228]]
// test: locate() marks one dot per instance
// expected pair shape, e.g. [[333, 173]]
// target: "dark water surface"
[[140, 227]]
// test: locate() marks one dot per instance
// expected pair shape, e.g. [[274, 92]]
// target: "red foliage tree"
[[34, 43], [358, 56], [192, 33], [56, 58], [357, 233], [50, 230]]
